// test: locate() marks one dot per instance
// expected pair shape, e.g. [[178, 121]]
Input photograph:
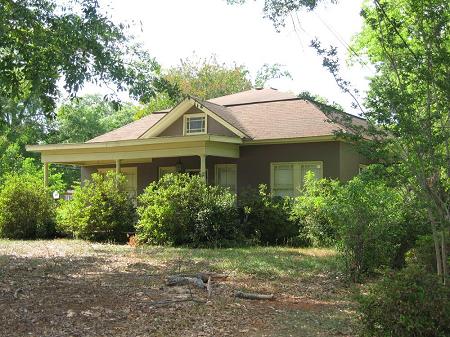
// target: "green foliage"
[[208, 78], [313, 211], [73, 41], [161, 101], [279, 10], [423, 254], [84, 118], [268, 72], [411, 302], [26, 208], [181, 209], [370, 223], [265, 219], [100, 210]]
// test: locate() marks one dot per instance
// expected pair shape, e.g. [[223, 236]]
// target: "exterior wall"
[[214, 127], [254, 161], [349, 161], [340, 161]]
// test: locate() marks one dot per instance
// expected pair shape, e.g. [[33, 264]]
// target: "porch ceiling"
[[136, 151]]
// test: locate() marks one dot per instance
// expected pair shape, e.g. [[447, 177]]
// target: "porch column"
[[203, 166], [117, 166], [46, 174]]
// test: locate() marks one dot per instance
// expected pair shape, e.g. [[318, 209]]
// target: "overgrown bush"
[[265, 219], [26, 208], [100, 210], [183, 210], [423, 254], [370, 224], [411, 302], [312, 210]]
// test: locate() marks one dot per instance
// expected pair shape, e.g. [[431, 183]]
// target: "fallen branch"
[[184, 280], [253, 296], [205, 276], [209, 287]]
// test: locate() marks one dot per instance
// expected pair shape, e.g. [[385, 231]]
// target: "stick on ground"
[[253, 296]]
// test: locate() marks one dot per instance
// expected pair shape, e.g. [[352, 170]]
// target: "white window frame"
[[216, 175], [297, 173], [186, 123]]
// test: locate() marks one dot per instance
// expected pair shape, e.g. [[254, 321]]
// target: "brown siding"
[[253, 167], [349, 161], [254, 161]]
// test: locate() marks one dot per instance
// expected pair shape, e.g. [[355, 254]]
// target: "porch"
[[146, 160]]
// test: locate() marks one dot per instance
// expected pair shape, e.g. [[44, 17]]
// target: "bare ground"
[[75, 288]]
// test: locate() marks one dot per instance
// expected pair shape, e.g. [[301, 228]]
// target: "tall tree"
[[408, 42], [80, 119], [46, 42], [208, 78]]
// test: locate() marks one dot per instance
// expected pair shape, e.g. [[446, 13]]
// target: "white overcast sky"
[[175, 29]]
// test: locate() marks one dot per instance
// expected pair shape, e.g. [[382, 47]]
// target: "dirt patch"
[[63, 288]]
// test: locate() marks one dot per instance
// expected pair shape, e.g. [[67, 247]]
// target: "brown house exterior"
[[260, 136]]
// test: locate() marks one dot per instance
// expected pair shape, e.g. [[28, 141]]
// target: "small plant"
[[181, 209], [266, 219], [312, 210], [26, 208], [411, 302], [99, 210]]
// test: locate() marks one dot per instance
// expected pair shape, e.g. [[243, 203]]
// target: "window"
[[225, 175], [166, 170], [287, 178], [130, 174], [194, 124]]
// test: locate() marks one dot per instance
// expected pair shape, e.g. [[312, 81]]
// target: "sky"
[[176, 29]]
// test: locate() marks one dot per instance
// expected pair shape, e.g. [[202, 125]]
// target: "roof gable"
[[211, 110]]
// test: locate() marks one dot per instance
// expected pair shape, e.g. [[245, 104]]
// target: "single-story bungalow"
[[240, 140]]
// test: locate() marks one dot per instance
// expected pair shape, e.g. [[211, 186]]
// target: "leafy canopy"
[[44, 42]]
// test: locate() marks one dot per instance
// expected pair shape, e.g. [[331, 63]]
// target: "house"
[[240, 140]]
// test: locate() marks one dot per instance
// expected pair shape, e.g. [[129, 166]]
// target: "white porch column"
[[117, 166], [203, 166], [46, 174]]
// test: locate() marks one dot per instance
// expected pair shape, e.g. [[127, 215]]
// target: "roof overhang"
[[293, 140], [140, 150]]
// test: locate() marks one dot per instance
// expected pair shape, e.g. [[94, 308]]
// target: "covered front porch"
[[146, 160]]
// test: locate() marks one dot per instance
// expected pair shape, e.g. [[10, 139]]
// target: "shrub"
[[370, 223], [312, 210], [423, 254], [26, 208], [99, 210], [411, 302], [181, 209], [266, 219]]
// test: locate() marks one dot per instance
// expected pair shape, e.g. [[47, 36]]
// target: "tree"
[[268, 72], [208, 78], [44, 42], [84, 118], [407, 107], [409, 98]]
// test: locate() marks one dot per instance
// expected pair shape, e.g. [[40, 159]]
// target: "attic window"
[[194, 124]]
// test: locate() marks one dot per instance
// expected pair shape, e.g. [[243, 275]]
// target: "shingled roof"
[[260, 114]]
